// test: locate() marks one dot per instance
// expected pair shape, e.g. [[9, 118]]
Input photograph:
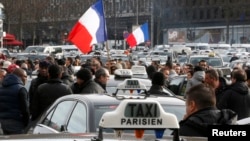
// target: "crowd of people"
[[209, 98]]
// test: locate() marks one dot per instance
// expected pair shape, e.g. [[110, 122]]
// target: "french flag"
[[139, 35], [90, 28]]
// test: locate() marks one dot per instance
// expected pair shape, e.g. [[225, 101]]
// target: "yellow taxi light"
[[211, 54]]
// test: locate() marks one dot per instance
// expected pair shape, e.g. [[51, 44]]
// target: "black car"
[[178, 85]]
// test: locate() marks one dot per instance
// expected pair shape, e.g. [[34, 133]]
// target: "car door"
[[56, 119], [178, 85], [77, 122]]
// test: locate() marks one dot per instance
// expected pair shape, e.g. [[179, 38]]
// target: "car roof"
[[89, 136], [115, 81], [101, 99], [95, 99], [200, 55]]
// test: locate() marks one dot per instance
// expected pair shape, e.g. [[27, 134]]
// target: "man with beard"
[[42, 77]]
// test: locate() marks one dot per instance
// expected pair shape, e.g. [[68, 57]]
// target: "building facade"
[[171, 21]]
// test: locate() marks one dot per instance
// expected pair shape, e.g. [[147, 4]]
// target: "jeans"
[[10, 126]]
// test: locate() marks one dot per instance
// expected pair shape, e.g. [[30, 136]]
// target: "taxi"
[[135, 117], [136, 72], [212, 59], [81, 113]]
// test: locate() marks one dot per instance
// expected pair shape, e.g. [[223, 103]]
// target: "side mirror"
[[63, 128]]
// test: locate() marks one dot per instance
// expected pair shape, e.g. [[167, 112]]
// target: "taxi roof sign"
[[131, 84], [139, 114], [123, 73], [136, 69]]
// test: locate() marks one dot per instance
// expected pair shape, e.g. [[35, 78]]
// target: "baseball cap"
[[12, 67], [6, 64]]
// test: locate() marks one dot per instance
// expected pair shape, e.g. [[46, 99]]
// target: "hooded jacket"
[[14, 99], [237, 98], [197, 123], [197, 78]]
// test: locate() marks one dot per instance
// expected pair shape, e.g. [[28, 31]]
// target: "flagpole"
[[108, 53]]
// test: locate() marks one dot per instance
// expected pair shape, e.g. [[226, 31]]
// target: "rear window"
[[212, 61]]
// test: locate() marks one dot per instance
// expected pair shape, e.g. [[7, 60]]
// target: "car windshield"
[[212, 61], [32, 48], [178, 110], [161, 53], [202, 47], [226, 58], [182, 59]]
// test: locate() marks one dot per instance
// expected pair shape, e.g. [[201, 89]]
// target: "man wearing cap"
[[12, 67], [42, 77], [6, 64], [85, 83]]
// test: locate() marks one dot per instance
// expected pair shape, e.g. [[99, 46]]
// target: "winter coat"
[[47, 94], [197, 78], [89, 87], [157, 90], [14, 100], [34, 85], [197, 123], [67, 79], [237, 98], [100, 84], [222, 87], [70, 69]]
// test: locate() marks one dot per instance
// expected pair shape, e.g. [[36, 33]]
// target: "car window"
[[178, 110], [57, 50], [99, 110], [58, 116], [30, 49], [214, 62], [175, 84], [183, 89], [78, 119]]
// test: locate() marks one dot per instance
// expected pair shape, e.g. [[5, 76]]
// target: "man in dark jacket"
[[217, 82], [66, 77], [42, 77], [236, 97], [47, 93], [85, 84], [14, 110], [69, 65], [102, 77], [158, 82], [201, 112]]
